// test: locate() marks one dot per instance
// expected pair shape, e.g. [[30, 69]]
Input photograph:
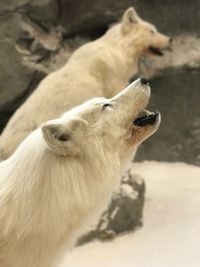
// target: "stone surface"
[[171, 17], [20, 35], [176, 95], [175, 83], [15, 78], [45, 12], [124, 212]]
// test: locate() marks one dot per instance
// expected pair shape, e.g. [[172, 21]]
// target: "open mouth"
[[155, 50], [149, 118]]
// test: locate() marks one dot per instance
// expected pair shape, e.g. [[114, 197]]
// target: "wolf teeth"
[[148, 113]]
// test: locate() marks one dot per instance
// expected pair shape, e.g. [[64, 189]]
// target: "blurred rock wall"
[[172, 17]]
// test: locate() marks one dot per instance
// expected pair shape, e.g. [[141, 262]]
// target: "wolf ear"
[[129, 18], [62, 138]]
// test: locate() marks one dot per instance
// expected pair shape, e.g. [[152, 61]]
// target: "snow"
[[170, 236]]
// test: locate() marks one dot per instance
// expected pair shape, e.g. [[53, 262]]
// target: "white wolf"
[[63, 175]]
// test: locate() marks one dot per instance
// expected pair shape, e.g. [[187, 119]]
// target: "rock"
[[176, 95], [45, 12], [15, 78], [82, 16], [171, 17], [22, 38], [124, 212], [175, 92]]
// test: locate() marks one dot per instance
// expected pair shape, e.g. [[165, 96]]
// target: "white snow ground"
[[170, 236]]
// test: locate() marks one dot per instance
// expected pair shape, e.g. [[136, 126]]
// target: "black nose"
[[144, 81], [170, 40]]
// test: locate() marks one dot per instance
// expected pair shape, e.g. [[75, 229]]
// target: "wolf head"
[[104, 125], [141, 36]]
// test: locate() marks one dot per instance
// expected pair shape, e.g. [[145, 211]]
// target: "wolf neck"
[[51, 185], [114, 38]]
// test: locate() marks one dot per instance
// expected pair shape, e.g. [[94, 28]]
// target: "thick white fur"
[[48, 196], [98, 69]]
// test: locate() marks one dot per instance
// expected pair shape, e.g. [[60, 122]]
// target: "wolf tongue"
[[144, 113]]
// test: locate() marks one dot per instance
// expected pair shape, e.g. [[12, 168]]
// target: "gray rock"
[[171, 17], [21, 36], [46, 12], [124, 212], [175, 92], [15, 78], [176, 95]]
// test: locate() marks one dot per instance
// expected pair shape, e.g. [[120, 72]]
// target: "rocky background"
[[38, 36]]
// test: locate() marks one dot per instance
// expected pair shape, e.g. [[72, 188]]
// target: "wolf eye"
[[106, 105]]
